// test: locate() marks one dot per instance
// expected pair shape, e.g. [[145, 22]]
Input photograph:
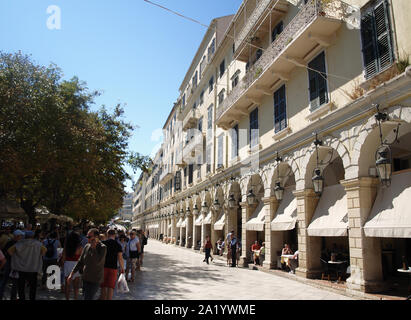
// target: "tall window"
[[317, 81], [222, 68], [211, 84], [376, 38], [184, 100], [221, 96], [280, 107], [234, 142], [177, 181], [190, 173], [210, 117], [208, 157], [211, 50], [277, 30], [202, 97], [220, 150], [195, 80], [234, 80], [254, 128]]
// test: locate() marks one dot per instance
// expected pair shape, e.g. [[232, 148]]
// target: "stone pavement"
[[173, 273]]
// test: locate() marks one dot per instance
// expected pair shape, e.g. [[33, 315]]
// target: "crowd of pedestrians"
[[88, 258]]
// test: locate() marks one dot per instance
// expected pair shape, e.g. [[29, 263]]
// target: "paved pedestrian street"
[[173, 273], [170, 272]]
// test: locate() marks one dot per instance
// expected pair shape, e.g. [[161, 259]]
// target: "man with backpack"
[[50, 258]]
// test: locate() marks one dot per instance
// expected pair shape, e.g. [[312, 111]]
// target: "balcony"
[[166, 175], [313, 28], [260, 17], [194, 147], [190, 120]]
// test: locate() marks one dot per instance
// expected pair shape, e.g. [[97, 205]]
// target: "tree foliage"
[[56, 152]]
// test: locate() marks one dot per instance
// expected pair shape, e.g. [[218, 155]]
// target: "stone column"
[[189, 231], [309, 248], [270, 207], [230, 224], [245, 242], [173, 228], [202, 233], [194, 231], [365, 252], [213, 235], [181, 236]]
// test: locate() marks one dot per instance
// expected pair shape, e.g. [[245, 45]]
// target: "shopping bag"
[[122, 286]]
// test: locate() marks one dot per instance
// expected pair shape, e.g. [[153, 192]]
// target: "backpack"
[[50, 249]]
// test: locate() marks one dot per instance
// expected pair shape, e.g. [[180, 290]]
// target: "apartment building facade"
[[297, 131]]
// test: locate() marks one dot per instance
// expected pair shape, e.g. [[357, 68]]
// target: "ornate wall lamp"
[[383, 154], [318, 179], [232, 203], [251, 198], [204, 207]]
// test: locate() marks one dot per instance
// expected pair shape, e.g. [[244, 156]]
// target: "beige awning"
[[286, 213], [219, 225], [180, 221], [331, 215], [199, 220], [207, 219], [256, 222], [184, 223], [390, 216], [169, 226]]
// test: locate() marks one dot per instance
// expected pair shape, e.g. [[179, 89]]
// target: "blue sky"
[[132, 51]]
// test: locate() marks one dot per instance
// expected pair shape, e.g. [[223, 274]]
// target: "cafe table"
[[285, 257], [338, 265], [409, 273]]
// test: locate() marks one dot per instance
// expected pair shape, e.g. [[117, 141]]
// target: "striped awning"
[[390, 216], [199, 220], [286, 215], [331, 215], [219, 225], [207, 219], [180, 221], [256, 222]]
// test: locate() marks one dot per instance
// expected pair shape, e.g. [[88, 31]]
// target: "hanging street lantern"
[[384, 165], [188, 210], [251, 197], [318, 181], [195, 209], [279, 191], [204, 207], [216, 205], [231, 201], [383, 155]]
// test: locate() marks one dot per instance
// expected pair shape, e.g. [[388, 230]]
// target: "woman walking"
[[71, 254], [207, 248]]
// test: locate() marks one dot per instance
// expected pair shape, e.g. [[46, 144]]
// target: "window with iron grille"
[[254, 128], [177, 181], [280, 108], [195, 80], [234, 142], [376, 38], [317, 79]]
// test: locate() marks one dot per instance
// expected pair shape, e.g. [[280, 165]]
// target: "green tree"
[[55, 151]]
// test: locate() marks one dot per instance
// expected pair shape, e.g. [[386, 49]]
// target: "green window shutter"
[[383, 36], [376, 39], [280, 115], [317, 79]]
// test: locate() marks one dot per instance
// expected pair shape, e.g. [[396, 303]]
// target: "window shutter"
[[317, 81], [280, 114], [368, 45], [382, 26]]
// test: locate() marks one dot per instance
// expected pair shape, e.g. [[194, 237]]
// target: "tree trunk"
[[30, 210]]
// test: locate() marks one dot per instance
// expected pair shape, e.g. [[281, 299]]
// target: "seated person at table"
[[255, 248], [292, 262], [220, 247], [286, 250]]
